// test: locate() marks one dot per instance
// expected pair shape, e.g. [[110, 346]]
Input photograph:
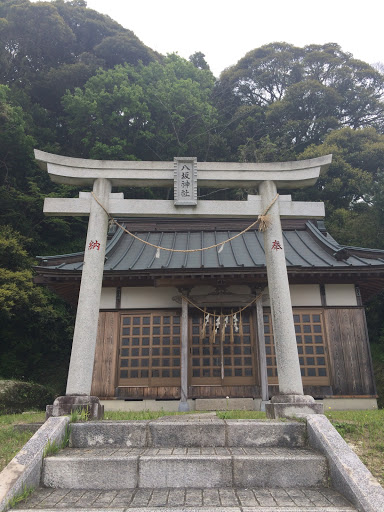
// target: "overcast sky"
[[226, 30]]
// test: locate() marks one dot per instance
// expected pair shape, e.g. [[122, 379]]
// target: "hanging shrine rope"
[[238, 312], [220, 322], [263, 219]]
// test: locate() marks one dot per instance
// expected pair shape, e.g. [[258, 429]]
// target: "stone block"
[[289, 406], [181, 471], [201, 433], [279, 471], [24, 469], [349, 404], [144, 405], [224, 404], [90, 472], [122, 433], [349, 476], [275, 411], [65, 405], [260, 433]]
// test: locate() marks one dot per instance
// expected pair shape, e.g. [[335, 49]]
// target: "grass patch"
[[21, 496], [11, 441], [153, 415], [25, 417], [140, 415], [364, 432], [52, 447], [79, 415], [241, 415]]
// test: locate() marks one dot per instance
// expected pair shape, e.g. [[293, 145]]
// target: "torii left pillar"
[[78, 393]]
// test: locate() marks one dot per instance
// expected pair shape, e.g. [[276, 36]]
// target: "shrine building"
[[224, 296]]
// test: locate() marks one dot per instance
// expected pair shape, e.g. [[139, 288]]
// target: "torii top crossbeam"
[[79, 171]]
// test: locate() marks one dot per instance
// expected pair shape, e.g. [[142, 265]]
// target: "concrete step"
[[119, 468], [204, 432], [268, 499]]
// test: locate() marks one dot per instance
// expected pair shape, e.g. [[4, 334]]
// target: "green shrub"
[[378, 368], [17, 396]]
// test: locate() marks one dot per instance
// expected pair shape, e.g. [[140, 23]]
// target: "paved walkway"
[[235, 499], [194, 450]]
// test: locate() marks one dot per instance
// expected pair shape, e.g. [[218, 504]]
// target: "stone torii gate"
[[185, 174]]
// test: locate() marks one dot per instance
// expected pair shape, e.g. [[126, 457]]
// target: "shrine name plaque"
[[185, 181]]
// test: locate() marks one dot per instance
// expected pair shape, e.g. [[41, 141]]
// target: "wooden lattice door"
[[311, 347], [225, 358], [149, 349]]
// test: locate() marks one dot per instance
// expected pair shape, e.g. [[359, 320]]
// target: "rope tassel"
[[205, 323], [265, 222], [231, 335], [217, 325], [235, 322], [157, 253]]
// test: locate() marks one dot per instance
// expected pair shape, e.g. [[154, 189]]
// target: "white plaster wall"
[[340, 295], [108, 298], [301, 295], [148, 297], [305, 294]]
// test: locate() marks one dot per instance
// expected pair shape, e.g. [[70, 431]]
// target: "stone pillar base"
[[263, 405], [183, 407], [65, 405], [288, 406]]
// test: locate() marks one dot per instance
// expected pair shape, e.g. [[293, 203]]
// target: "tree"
[[300, 94], [35, 38], [198, 60], [308, 111], [23, 185], [48, 48], [353, 186], [147, 112], [35, 323], [17, 145], [122, 48], [263, 75]]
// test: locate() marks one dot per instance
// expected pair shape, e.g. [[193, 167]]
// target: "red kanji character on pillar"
[[276, 245], [94, 245]]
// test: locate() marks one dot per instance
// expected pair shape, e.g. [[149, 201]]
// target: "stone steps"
[[191, 463], [205, 431], [101, 468], [268, 499]]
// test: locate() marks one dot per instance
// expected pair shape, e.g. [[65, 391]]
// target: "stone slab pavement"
[[224, 499]]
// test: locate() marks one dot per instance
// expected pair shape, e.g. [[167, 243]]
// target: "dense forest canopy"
[[75, 82]]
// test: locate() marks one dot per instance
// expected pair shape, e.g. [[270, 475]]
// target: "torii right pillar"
[[291, 400]]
